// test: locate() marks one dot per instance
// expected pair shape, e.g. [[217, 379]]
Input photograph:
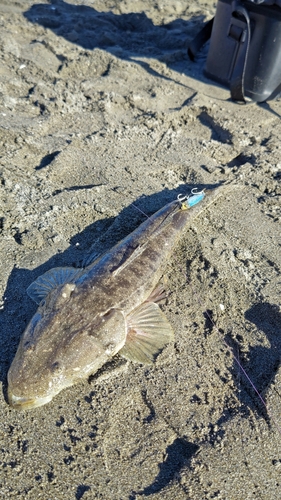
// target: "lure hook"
[[195, 191], [182, 197]]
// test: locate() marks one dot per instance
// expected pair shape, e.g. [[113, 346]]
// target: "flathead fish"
[[86, 316]]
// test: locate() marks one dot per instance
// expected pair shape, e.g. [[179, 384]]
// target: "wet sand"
[[101, 110]]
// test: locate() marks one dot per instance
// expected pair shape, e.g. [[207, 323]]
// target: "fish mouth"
[[23, 403]]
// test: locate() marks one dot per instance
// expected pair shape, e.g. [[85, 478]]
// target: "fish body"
[[85, 316]]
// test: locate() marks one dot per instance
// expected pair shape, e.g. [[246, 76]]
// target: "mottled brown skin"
[[80, 326]]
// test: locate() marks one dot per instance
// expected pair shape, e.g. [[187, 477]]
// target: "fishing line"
[[236, 358], [242, 435], [240, 369]]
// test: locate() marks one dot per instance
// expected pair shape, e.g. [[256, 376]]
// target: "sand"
[[101, 110]]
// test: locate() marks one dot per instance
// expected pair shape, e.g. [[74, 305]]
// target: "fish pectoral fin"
[[50, 280], [148, 332]]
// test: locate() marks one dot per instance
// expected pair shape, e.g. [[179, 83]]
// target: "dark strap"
[[200, 39], [240, 30]]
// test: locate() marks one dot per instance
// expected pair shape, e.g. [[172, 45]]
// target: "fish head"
[[62, 344]]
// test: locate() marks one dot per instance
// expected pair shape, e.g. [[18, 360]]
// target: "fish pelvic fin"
[[42, 286], [148, 332], [159, 294]]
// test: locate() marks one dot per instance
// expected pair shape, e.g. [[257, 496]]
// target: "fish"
[[86, 316]]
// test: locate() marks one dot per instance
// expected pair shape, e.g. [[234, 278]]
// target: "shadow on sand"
[[126, 36]]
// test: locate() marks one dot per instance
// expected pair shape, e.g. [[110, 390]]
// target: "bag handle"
[[240, 30]]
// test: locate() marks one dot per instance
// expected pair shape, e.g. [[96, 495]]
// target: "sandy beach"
[[101, 111]]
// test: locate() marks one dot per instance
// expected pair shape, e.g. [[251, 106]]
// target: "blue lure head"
[[195, 198], [189, 201]]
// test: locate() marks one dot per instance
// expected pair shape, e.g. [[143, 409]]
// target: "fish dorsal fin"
[[50, 280], [148, 332]]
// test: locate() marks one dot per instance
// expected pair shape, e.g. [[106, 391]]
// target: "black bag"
[[245, 48]]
